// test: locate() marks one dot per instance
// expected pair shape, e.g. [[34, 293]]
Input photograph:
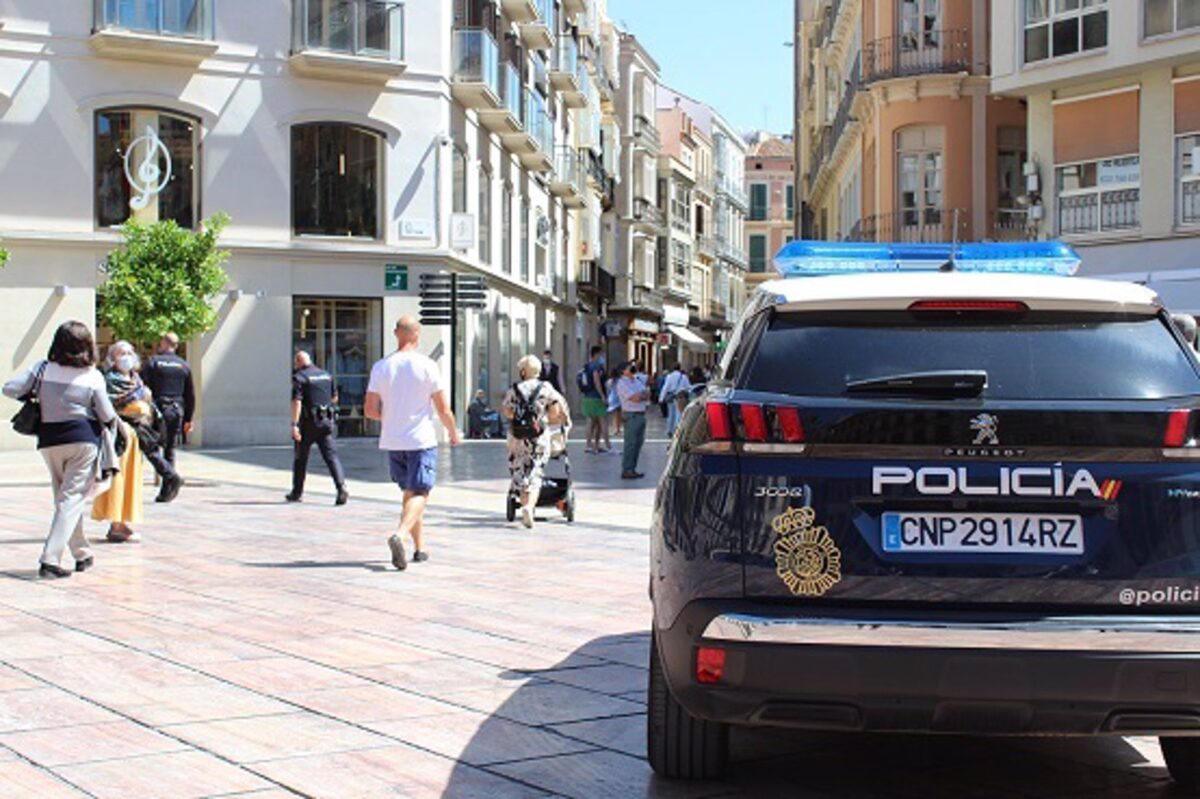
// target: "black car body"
[[936, 503]]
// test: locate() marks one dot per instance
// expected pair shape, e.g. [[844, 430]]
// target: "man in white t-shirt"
[[404, 394]]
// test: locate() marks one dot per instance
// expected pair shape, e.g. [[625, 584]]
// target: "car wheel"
[[679, 745], [1183, 761]]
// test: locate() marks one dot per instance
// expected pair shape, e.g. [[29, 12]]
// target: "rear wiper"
[[953, 383]]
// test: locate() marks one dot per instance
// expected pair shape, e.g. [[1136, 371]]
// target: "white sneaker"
[[527, 517]]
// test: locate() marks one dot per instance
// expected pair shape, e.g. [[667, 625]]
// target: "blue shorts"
[[414, 470]]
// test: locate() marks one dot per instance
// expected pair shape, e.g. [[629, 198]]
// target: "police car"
[[935, 488]]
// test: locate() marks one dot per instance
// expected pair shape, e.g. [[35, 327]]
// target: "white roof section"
[[891, 291]]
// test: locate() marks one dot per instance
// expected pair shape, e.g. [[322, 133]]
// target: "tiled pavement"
[[251, 648]]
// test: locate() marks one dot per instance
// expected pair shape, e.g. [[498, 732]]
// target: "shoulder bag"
[[29, 418]]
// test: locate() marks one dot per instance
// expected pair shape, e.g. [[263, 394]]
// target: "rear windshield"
[[1038, 356]]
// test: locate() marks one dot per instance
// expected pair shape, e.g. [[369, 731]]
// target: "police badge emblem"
[[806, 558]]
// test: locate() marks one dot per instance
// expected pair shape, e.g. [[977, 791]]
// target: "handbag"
[[29, 418]]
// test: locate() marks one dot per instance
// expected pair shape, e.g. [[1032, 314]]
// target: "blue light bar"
[[813, 258]]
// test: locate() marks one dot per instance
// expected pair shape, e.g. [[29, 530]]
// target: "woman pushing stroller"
[[534, 409]]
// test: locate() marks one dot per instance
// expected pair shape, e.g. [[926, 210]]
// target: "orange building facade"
[[900, 138]]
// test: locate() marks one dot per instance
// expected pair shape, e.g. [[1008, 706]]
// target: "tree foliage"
[[163, 279], [3, 257]]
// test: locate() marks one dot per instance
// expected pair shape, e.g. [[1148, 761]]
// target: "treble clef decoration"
[[151, 178]]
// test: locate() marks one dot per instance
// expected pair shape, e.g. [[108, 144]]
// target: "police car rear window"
[[1039, 355]]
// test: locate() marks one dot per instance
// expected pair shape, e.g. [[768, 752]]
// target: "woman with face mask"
[[121, 505]]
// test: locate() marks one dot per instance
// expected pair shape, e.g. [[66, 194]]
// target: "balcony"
[[567, 74], [348, 39], [476, 82], [538, 33], [520, 10], [507, 118], [597, 280], [573, 7], [829, 17], [647, 298], [535, 145], [731, 252], [648, 215], [645, 135], [717, 311], [568, 180], [733, 191], [1011, 224], [171, 31], [908, 55], [706, 246], [831, 134], [925, 225]]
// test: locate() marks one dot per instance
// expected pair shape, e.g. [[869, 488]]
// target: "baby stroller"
[[557, 492]]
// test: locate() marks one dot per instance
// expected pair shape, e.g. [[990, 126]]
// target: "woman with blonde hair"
[[532, 407], [121, 504]]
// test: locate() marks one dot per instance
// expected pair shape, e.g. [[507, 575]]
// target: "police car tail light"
[[710, 665], [754, 421], [791, 429], [720, 424], [1179, 425], [969, 306]]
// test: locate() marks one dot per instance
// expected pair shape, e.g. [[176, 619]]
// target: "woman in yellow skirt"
[[121, 505]]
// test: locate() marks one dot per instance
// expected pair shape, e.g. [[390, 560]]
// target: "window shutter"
[[1101, 127]]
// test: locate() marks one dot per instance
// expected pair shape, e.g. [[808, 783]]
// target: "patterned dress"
[[527, 458]]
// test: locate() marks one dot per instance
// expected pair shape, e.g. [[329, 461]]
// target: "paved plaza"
[[251, 648]]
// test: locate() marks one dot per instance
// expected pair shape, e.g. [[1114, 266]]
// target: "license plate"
[[1001, 533]]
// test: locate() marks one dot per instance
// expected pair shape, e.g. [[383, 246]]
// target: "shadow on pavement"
[[372, 566], [576, 729]]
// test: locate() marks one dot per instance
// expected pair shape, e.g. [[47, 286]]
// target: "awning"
[[688, 337]]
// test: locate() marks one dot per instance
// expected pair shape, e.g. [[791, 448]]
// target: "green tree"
[[3, 257], [163, 279]]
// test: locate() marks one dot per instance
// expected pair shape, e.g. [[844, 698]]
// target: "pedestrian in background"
[[121, 504], [74, 403], [314, 421], [550, 372], [170, 380], [404, 394], [656, 385], [675, 393], [594, 403], [635, 399], [533, 407]]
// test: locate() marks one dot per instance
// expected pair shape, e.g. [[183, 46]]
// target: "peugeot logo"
[[985, 425]]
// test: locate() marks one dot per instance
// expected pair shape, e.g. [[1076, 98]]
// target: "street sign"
[[395, 277]]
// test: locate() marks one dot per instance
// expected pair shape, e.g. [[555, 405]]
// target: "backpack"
[[583, 379], [527, 423]]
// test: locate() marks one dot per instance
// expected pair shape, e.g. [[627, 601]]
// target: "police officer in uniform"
[[314, 421], [169, 379]]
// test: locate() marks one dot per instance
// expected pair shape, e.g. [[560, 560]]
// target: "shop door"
[[345, 338]]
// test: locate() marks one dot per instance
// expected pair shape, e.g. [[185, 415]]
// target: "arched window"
[[147, 165], [336, 180]]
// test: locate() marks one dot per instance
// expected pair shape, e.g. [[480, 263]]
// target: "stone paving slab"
[[251, 648]]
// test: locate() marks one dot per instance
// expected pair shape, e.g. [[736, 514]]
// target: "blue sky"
[[728, 53]]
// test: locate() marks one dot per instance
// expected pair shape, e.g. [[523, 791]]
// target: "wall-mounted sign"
[[462, 231], [416, 229], [1116, 172], [395, 277], [149, 179]]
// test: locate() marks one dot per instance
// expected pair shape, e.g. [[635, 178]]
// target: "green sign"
[[395, 277]]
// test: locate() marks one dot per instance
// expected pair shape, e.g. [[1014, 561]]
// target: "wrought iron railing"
[[926, 53], [913, 225], [371, 28], [1011, 224], [1189, 203], [831, 134], [1099, 212], [648, 212], [187, 19]]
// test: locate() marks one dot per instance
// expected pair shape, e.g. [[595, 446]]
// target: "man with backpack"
[[590, 382], [532, 406]]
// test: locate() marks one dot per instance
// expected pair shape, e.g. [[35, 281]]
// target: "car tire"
[[1183, 761], [679, 745]]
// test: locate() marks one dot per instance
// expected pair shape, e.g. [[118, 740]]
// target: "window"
[[758, 253], [458, 160], [335, 180], [485, 216], [525, 240], [1187, 164], [1098, 196], [791, 201], [161, 151], [1168, 16], [506, 221], [190, 19], [1010, 180], [759, 203], [919, 180], [372, 28], [920, 26], [1055, 28]]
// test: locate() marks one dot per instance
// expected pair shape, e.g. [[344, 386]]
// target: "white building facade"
[[356, 146]]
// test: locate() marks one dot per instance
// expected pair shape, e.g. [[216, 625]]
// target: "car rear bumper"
[[968, 674]]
